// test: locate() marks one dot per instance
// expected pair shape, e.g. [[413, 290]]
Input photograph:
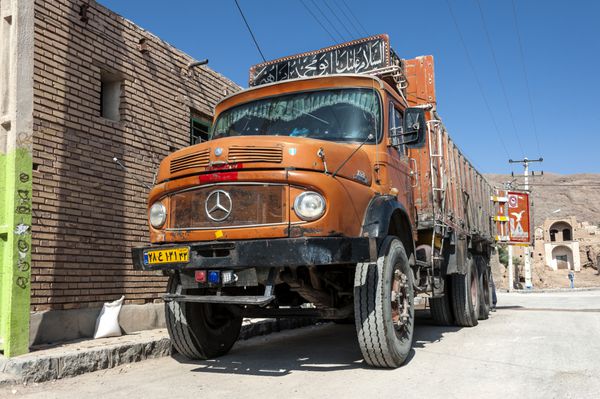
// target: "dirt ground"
[[543, 277]]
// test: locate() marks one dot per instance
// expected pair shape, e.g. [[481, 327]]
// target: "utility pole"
[[511, 269], [525, 162]]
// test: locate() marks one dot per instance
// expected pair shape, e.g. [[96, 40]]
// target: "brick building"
[[102, 88]]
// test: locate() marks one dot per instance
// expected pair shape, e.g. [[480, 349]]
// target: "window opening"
[[110, 96]]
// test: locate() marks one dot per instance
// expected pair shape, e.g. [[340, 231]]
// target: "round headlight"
[[158, 215], [309, 205]]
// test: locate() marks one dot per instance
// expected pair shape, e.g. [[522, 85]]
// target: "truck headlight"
[[309, 205], [158, 215]]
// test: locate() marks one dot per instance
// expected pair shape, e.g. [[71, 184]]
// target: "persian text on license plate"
[[171, 255]]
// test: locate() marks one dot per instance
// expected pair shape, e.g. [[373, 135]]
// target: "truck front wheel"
[[384, 306], [200, 330]]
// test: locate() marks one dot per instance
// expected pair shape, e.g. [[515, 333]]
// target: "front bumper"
[[280, 252]]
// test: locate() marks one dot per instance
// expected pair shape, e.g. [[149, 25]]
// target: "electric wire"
[[502, 86], [319, 22], [479, 85], [327, 20], [354, 16], [338, 19], [528, 87], [250, 30], [347, 18]]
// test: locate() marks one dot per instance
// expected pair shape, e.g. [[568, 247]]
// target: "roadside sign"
[[513, 219], [518, 217]]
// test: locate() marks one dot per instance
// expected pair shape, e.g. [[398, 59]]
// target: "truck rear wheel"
[[485, 294], [200, 330], [441, 308], [465, 295], [384, 306]]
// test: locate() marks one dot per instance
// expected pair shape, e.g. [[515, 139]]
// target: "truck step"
[[230, 300]]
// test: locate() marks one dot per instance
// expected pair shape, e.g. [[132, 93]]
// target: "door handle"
[[414, 171]]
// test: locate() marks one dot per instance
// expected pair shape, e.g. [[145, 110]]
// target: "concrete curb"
[[535, 291], [81, 357]]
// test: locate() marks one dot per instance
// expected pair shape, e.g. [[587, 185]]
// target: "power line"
[[479, 85], [354, 16], [489, 41], [537, 141], [250, 30], [358, 34], [319, 22], [338, 18], [327, 20]]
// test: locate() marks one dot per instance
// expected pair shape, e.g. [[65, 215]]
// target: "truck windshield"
[[348, 115]]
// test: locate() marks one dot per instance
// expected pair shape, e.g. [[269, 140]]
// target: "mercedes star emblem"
[[218, 205], [218, 151]]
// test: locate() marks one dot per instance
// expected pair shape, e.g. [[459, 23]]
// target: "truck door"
[[400, 170]]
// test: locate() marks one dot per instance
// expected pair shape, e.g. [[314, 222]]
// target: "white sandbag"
[[107, 324]]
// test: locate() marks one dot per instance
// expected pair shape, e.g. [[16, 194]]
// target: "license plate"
[[171, 255]]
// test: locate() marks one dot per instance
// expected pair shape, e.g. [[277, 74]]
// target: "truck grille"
[[245, 154], [198, 159], [240, 205]]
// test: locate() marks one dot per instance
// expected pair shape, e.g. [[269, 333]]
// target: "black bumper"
[[290, 252]]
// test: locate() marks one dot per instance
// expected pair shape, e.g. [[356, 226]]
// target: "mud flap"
[[457, 254]]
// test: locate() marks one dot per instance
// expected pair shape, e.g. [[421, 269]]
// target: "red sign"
[[518, 217], [513, 219]]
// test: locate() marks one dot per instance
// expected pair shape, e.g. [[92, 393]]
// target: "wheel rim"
[[400, 302]]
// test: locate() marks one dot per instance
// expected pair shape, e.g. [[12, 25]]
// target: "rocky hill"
[[575, 195]]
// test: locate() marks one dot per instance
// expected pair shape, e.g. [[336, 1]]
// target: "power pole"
[[526, 162], [511, 268]]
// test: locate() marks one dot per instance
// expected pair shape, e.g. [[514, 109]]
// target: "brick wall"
[[87, 212]]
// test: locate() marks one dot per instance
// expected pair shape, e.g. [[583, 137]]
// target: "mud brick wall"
[[88, 213]]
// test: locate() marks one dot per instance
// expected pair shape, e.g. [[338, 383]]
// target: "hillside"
[[575, 195]]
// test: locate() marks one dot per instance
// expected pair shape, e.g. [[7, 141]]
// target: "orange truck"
[[329, 189]]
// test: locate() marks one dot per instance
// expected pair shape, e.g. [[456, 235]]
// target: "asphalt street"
[[542, 345]]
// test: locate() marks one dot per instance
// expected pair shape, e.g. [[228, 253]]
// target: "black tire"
[[348, 320], [385, 329], [441, 308], [485, 289], [465, 295], [200, 330]]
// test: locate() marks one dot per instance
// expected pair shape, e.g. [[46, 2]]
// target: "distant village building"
[[566, 244]]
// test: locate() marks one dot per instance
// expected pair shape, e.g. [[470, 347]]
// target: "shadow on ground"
[[320, 348]]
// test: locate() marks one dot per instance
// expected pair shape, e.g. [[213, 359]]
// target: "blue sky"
[[560, 41]]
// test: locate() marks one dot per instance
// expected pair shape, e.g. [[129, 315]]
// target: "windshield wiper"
[[369, 137]]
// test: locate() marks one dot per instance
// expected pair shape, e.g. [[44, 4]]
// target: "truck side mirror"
[[413, 130]]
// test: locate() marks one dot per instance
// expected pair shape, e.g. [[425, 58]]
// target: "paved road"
[[536, 346]]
